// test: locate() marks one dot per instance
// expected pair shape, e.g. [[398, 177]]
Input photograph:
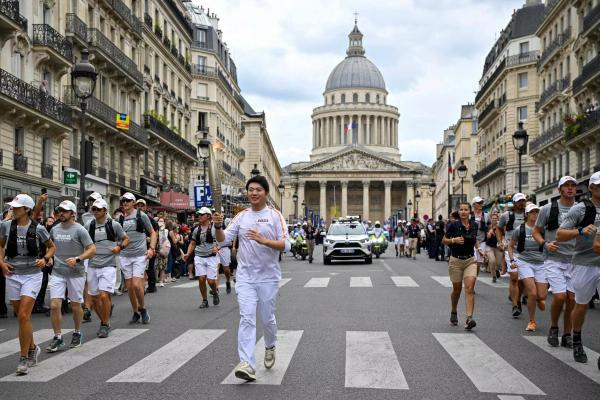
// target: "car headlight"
[[364, 241], [328, 241]]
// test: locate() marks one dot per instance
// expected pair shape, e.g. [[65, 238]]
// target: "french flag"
[[449, 163]]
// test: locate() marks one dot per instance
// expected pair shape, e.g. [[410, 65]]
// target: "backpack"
[[209, 236], [511, 221], [139, 224], [521, 242], [552, 224], [110, 232], [483, 223], [590, 214], [33, 248]]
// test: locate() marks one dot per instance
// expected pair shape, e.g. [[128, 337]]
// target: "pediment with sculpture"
[[355, 160]]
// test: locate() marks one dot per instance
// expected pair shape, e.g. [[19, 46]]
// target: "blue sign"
[[200, 200]]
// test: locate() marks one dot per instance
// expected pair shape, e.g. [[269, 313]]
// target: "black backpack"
[[552, 224], [511, 221], [590, 214], [33, 248], [139, 224], [209, 236], [521, 242], [110, 232], [483, 225]]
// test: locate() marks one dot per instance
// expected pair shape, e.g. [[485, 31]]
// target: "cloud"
[[430, 53]]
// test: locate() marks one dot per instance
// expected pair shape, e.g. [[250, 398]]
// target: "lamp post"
[[303, 209], [462, 173], [432, 187], [255, 171], [281, 188], [295, 200], [409, 204], [204, 152], [417, 198], [520, 139], [83, 83]]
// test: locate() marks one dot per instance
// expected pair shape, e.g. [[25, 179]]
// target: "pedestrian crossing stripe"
[[481, 364], [284, 281], [317, 283], [360, 281], [195, 284], [404, 281], [287, 342], [11, 347], [565, 355], [70, 359], [161, 364], [443, 280]]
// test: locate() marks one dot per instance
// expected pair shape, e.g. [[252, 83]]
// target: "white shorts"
[[85, 265], [206, 266], [225, 256], [58, 284], [104, 278], [18, 285], [478, 257], [133, 267], [535, 271], [586, 280], [558, 274], [399, 241]]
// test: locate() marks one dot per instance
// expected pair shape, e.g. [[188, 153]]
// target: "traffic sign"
[[70, 177], [200, 200]]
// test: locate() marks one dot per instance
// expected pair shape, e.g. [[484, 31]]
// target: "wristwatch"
[[78, 260], [46, 259], [580, 231]]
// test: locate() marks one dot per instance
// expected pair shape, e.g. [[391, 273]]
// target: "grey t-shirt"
[[137, 240], [204, 249], [70, 242], [87, 217], [583, 253], [519, 219], [104, 256], [531, 254], [22, 263], [565, 249], [486, 221]]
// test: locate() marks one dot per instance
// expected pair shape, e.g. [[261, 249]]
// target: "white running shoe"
[[270, 357], [245, 371]]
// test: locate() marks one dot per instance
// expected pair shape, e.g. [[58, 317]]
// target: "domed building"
[[355, 166]]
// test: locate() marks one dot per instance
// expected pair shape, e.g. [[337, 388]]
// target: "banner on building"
[[123, 121]]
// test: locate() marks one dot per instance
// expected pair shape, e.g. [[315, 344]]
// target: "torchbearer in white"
[[262, 235]]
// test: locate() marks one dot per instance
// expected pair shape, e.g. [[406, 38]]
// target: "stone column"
[[327, 136], [323, 200], [341, 131], [365, 200], [410, 195], [368, 141], [301, 185], [387, 209], [344, 198]]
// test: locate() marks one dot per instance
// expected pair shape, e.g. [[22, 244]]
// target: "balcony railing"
[[238, 174], [557, 43], [148, 20], [133, 184], [487, 110], [554, 89], [490, 80], [201, 69], [121, 180], [127, 16], [45, 35], [557, 131], [589, 71], [76, 26], [102, 172], [20, 163], [226, 167], [10, 9], [112, 176], [169, 136], [47, 171], [591, 19], [167, 42], [114, 54], [588, 123], [523, 58], [498, 164], [24, 93]]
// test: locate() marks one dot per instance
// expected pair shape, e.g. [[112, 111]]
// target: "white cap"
[[100, 203], [95, 196], [566, 179], [67, 205], [377, 222], [530, 207], [476, 199], [128, 196], [204, 210], [22, 200], [595, 179], [519, 197], [141, 201]]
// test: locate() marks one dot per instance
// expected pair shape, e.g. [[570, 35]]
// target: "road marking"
[[488, 281], [11, 347], [404, 281], [287, 342], [508, 397], [386, 266], [443, 280], [481, 364], [360, 281], [161, 364], [371, 362], [566, 356], [333, 273], [284, 281], [191, 284], [317, 283], [73, 358]]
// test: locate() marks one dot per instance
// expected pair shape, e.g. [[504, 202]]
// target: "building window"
[[367, 98], [19, 140], [46, 151], [156, 163], [202, 91], [524, 177], [102, 154], [343, 98], [355, 98], [523, 48], [377, 99], [332, 99], [522, 78], [522, 113]]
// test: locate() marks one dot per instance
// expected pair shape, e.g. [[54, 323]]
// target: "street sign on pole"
[[70, 177], [200, 199]]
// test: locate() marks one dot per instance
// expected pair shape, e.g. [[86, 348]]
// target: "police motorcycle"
[[379, 242]]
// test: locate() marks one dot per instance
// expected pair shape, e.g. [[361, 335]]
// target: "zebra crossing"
[[367, 354]]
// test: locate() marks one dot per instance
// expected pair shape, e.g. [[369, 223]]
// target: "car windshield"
[[346, 229]]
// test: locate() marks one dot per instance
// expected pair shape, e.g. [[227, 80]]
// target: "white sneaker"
[[245, 371], [270, 357], [161, 285]]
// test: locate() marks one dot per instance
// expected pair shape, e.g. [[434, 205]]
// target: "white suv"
[[347, 240]]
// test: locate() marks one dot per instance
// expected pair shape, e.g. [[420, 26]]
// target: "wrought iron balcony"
[[201, 45], [125, 13], [226, 167], [121, 180], [166, 134], [10, 10], [31, 97], [174, 51], [47, 171], [148, 20], [488, 83], [113, 54], [77, 27], [589, 123], [554, 45], [102, 172], [487, 111], [133, 184], [556, 132], [523, 58], [589, 71], [20, 163], [45, 35], [201, 69], [238, 174], [158, 31], [495, 166], [112, 176], [554, 89], [167, 42], [590, 21]]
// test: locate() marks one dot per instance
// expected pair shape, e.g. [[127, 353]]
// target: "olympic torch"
[[206, 152]]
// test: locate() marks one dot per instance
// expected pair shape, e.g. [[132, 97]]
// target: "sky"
[[430, 53]]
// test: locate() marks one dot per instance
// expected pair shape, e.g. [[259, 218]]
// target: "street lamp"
[[462, 173], [417, 198], [432, 186], [281, 188], [295, 200], [83, 83], [303, 209], [409, 204], [520, 139], [255, 171], [204, 152]]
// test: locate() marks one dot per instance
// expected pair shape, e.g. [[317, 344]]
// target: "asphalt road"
[[352, 334]]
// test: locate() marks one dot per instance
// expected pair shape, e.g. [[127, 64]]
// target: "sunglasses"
[[62, 210], [95, 209], [126, 200]]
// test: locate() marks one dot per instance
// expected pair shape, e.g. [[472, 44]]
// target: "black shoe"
[[216, 300], [470, 324], [598, 362], [566, 341], [453, 319], [520, 307], [579, 353], [228, 287], [135, 319], [87, 315], [497, 274], [516, 311], [204, 304], [524, 300], [494, 279], [553, 337], [151, 289]]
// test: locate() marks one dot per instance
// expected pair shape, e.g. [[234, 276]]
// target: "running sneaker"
[[145, 316], [103, 331], [56, 345], [22, 368], [470, 324], [541, 304], [269, 357], [453, 319], [494, 279], [204, 304], [579, 353], [216, 300], [33, 355], [135, 319], [87, 315], [76, 340], [516, 311], [553, 337], [497, 274], [566, 341], [245, 371], [531, 326], [228, 287]]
